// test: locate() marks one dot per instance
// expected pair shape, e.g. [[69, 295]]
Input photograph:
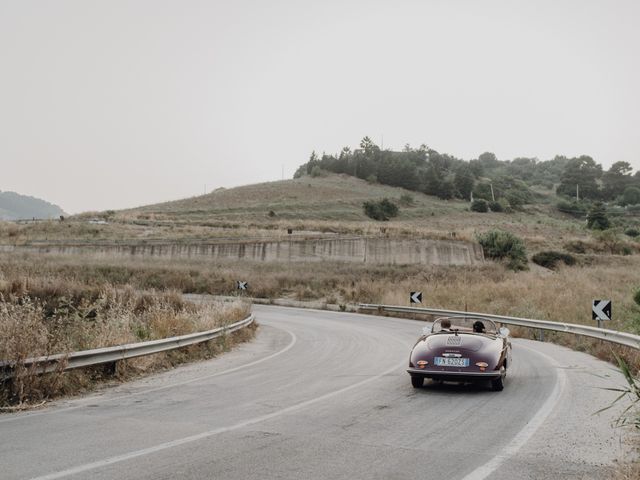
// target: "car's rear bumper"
[[455, 376]]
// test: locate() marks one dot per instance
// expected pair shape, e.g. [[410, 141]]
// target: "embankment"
[[370, 250]]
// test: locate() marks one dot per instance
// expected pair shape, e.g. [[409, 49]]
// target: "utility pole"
[[577, 192], [493, 197]]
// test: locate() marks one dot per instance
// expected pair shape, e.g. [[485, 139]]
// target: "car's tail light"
[[422, 363], [482, 366]]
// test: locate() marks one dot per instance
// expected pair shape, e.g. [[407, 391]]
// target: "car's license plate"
[[451, 362]]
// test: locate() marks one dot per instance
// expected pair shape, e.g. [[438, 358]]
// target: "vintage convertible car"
[[461, 349]]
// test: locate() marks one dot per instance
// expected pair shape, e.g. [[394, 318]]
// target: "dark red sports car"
[[461, 349]]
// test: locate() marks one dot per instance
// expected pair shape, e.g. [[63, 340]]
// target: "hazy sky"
[[113, 104]]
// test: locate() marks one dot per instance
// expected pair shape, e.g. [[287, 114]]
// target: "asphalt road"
[[325, 395]]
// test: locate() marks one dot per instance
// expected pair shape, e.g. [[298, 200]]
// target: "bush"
[[636, 297], [496, 207], [576, 246], [497, 244], [372, 179], [633, 208], [479, 206], [597, 217], [316, 171], [572, 208], [632, 232], [517, 198], [406, 200], [382, 210], [550, 259]]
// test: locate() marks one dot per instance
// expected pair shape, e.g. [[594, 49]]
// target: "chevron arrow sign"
[[243, 285], [415, 297], [601, 310]]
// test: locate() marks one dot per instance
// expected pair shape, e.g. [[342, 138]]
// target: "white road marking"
[[530, 428], [93, 401], [210, 433]]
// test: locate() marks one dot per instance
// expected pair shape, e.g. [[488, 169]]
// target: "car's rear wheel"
[[417, 382], [497, 385]]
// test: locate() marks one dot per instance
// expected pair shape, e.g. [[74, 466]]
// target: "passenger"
[[478, 327], [445, 325]]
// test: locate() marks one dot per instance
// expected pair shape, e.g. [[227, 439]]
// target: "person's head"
[[478, 327], [446, 323]]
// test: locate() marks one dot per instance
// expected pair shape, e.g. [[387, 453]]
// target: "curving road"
[[325, 395]]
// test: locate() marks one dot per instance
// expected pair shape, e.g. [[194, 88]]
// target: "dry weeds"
[[44, 315]]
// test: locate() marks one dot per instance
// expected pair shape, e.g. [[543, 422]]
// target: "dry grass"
[[43, 315]]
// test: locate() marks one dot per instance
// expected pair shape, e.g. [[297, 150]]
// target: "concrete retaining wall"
[[353, 249]]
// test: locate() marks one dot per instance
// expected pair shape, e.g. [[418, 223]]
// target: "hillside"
[[14, 206], [310, 206], [330, 198]]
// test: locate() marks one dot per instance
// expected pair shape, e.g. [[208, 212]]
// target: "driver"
[[478, 327], [445, 325]]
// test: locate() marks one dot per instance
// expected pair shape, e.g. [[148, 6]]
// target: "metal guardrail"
[[98, 356], [620, 338]]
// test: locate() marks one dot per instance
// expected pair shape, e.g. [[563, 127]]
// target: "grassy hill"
[[331, 198], [311, 206], [334, 202]]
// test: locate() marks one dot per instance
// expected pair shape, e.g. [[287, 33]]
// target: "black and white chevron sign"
[[415, 297], [601, 310], [242, 285]]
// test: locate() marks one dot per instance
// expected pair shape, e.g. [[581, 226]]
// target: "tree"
[[313, 161], [488, 160], [597, 217], [582, 172], [464, 181], [630, 196], [446, 190], [616, 179]]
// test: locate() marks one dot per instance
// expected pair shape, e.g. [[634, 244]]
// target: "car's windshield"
[[464, 325]]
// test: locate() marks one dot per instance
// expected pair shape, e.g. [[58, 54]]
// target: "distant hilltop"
[[14, 206]]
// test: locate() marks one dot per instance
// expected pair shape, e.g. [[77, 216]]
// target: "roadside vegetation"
[[49, 313], [561, 295]]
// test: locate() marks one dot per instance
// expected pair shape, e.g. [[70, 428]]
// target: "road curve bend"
[[325, 395]]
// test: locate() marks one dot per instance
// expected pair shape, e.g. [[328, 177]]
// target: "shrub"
[[479, 206], [576, 246], [496, 207], [632, 232], [316, 171], [372, 179], [572, 208], [636, 297], [550, 259], [516, 198], [382, 210], [633, 208], [597, 217], [498, 244], [406, 200]]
